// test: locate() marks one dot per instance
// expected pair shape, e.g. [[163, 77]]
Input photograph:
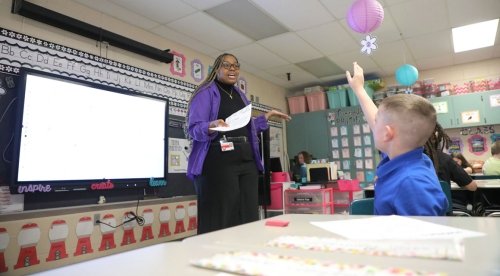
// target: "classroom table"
[[482, 254]]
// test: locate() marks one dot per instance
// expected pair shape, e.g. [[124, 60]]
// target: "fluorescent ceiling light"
[[474, 36]]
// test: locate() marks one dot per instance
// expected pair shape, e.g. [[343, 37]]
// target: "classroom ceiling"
[[310, 39]]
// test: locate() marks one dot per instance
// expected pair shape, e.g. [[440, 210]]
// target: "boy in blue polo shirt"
[[406, 183]]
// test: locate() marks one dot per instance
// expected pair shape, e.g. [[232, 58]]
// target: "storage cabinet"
[[313, 201], [444, 111], [468, 110], [344, 194], [491, 100]]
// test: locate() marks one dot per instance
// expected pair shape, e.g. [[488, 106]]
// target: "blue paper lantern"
[[407, 74]]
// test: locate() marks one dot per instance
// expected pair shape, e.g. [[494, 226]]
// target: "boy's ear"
[[389, 133]]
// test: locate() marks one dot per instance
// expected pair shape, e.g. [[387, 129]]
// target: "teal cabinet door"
[[308, 131], [491, 101], [444, 111], [468, 109]]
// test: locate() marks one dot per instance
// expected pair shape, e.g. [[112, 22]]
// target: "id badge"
[[226, 146]]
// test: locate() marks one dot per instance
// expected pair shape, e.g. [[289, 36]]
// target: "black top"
[[449, 170], [230, 105]]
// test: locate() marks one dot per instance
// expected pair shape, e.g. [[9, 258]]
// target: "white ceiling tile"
[[418, 17], [204, 4], [201, 27], [258, 56], [247, 19], [290, 47], [496, 51], [388, 31], [464, 12], [338, 8], [281, 81], [474, 55], [346, 59], [392, 53], [297, 75], [119, 12], [329, 38], [430, 45], [296, 14], [434, 62], [184, 40], [158, 10]]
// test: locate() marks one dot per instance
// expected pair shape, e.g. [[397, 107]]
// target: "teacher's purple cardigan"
[[203, 110]]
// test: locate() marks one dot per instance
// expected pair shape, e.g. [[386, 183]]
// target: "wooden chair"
[[363, 206]]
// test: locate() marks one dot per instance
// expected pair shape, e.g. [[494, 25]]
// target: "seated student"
[[447, 169], [406, 181], [492, 164], [302, 157], [462, 162]]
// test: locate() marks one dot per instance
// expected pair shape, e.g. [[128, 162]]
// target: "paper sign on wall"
[[470, 117], [495, 100], [178, 152], [441, 107]]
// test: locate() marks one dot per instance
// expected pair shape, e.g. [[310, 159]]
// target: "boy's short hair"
[[414, 116], [495, 148]]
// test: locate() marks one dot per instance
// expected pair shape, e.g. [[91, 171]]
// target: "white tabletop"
[[482, 184], [482, 254]]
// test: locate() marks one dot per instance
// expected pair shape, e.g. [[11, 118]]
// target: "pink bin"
[[297, 104], [316, 101], [276, 197], [280, 177], [349, 185]]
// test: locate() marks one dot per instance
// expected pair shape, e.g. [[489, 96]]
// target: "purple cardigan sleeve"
[[200, 116], [260, 123]]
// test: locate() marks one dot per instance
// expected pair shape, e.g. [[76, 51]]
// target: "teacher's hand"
[[216, 123], [275, 113]]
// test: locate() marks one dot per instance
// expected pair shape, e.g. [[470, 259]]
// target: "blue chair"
[[362, 206], [446, 187]]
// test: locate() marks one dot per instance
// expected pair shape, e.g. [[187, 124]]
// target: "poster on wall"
[[495, 100], [470, 117], [276, 141], [242, 84], [477, 144], [197, 70], [441, 107], [178, 153], [455, 145], [178, 65]]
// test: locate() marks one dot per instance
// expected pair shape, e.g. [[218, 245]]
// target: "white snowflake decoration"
[[369, 45]]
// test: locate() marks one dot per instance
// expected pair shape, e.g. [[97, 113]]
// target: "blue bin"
[[353, 100], [337, 98]]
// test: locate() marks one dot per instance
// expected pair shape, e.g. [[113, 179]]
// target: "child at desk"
[[406, 181]]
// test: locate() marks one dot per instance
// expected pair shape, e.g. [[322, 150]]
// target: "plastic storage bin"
[[309, 209], [353, 100], [348, 185], [297, 104], [337, 98], [276, 196], [280, 177], [316, 101], [316, 196], [314, 201]]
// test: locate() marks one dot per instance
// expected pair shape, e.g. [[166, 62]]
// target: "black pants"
[[227, 188]]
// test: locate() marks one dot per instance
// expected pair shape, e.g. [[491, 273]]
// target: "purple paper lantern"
[[365, 16]]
